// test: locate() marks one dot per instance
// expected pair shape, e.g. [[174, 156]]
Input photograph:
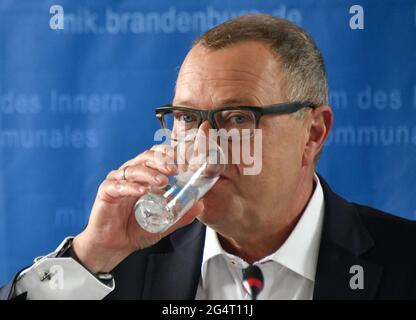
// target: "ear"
[[319, 124]]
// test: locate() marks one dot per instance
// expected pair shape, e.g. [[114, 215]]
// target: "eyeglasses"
[[238, 120]]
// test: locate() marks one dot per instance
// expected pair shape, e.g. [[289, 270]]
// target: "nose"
[[203, 129], [202, 135]]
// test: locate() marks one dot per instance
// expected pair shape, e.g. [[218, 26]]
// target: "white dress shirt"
[[289, 273], [59, 278]]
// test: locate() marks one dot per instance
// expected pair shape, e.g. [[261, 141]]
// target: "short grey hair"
[[299, 57]]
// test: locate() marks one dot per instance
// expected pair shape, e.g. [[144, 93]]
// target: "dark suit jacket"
[[382, 244]]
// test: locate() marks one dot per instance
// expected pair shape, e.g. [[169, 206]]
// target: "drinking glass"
[[200, 163]]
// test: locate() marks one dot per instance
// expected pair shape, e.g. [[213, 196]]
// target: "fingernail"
[[142, 189], [160, 178]]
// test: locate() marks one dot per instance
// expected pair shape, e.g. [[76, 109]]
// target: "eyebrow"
[[226, 102]]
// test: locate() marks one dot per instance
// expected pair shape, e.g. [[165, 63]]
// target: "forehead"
[[245, 71]]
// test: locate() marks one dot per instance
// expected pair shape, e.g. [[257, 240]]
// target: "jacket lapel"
[[175, 274], [344, 243]]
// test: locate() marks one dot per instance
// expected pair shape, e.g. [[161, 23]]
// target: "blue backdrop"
[[78, 102]]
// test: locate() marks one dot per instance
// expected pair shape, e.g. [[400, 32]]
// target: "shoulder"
[[386, 225], [394, 237]]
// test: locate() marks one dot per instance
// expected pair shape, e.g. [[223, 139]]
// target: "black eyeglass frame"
[[202, 115]]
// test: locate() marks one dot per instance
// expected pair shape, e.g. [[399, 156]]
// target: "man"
[[308, 242]]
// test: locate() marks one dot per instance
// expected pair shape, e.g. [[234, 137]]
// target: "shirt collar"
[[298, 253]]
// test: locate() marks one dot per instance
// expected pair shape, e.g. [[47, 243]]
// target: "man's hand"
[[113, 232]]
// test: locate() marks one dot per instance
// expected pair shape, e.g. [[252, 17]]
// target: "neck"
[[253, 245]]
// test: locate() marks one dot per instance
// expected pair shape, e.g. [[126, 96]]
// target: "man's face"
[[246, 74]]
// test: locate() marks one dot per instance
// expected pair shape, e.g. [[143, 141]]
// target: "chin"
[[218, 202], [213, 212], [210, 219], [217, 209], [215, 199]]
